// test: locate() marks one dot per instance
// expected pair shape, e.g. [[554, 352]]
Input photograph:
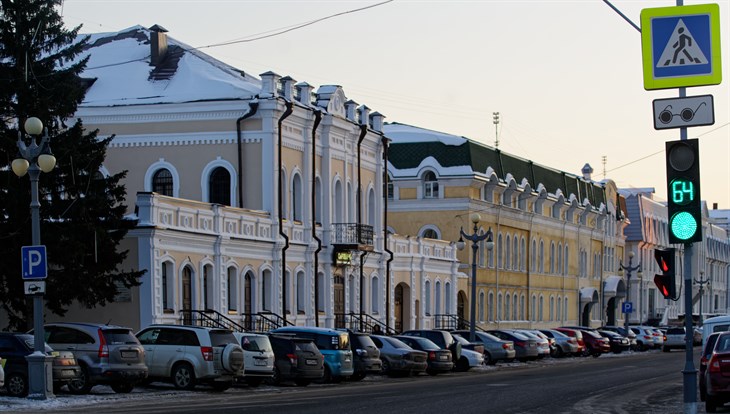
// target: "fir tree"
[[81, 211]]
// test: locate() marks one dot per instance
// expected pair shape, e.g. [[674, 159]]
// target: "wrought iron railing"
[[352, 234], [451, 322], [362, 323], [209, 318]]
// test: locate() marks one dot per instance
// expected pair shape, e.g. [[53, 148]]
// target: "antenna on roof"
[[495, 121]]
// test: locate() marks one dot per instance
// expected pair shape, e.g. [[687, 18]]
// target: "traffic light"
[[665, 282], [683, 191]]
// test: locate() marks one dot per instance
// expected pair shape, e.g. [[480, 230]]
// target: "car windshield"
[[30, 344], [396, 343], [675, 331], [591, 334], [558, 334], [222, 338], [305, 346], [487, 337], [723, 343], [365, 341], [256, 343], [119, 337], [520, 335]]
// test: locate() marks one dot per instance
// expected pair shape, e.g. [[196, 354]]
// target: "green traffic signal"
[[683, 225], [684, 204]]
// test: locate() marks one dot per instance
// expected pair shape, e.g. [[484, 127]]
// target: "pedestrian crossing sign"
[[681, 46]]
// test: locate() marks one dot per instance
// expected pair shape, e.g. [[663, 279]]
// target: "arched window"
[[219, 185], [427, 294], [284, 202], [552, 258], [374, 295], [301, 293], [499, 306], [430, 234], [430, 185], [437, 298], [208, 286], [560, 259], [318, 200], [559, 310], [515, 308], [515, 255], [541, 308], [566, 261], [168, 286], [552, 308], [541, 257], [522, 308], [389, 187], [523, 255], [481, 306], [490, 306], [339, 203], [232, 289], [297, 198], [506, 306], [508, 253], [533, 308], [565, 308], [162, 182], [533, 256], [267, 289], [447, 298], [371, 207]]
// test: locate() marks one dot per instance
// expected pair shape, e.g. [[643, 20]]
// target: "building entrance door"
[[339, 301]]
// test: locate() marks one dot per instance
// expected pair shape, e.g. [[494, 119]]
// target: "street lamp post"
[[628, 270], [33, 159], [702, 282], [475, 238]]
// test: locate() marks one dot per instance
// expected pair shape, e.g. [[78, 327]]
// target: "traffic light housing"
[[683, 191], [665, 281]]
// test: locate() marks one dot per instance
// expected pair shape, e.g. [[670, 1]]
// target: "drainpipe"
[[252, 108], [385, 141], [317, 119], [287, 112], [363, 132]]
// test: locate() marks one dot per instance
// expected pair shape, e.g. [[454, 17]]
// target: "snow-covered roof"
[[120, 64], [403, 134]]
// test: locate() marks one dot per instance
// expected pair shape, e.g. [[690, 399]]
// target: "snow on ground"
[[104, 395]]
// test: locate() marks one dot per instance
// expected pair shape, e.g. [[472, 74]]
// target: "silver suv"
[[674, 338], [258, 357], [187, 355], [107, 354]]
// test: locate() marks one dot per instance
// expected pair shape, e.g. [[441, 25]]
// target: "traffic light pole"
[[689, 372]]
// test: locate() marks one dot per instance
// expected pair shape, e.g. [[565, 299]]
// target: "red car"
[[595, 343], [717, 374]]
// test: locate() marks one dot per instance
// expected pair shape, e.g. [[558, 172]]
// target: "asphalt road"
[[649, 382]]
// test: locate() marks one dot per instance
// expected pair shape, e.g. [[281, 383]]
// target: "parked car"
[[296, 359], [578, 335], [2, 373], [471, 356], [188, 355], [333, 344], [630, 335], [675, 337], [15, 347], [258, 357], [715, 324], [644, 337], [495, 349], [704, 360], [543, 342], [366, 356], [525, 348], [596, 345], [564, 344], [717, 374], [399, 358], [107, 354], [439, 359], [443, 339], [658, 337], [617, 342]]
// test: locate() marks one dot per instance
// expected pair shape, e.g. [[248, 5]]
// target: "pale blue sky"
[[566, 76]]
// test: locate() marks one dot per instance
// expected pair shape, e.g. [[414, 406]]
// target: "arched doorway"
[[247, 301], [187, 294], [461, 308], [611, 312], [402, 298], [339, 301], [585, 319]]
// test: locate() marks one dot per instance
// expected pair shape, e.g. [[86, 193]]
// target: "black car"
[[15, 347], [618, 343], [439, 359], [443, 339], [365, 355], [704, 360], [296, 359]]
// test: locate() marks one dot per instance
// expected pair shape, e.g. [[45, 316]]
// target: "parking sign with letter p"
[[34, 262]]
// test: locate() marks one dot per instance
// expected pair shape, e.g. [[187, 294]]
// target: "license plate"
[[311, 362], [259, 362], [444, 357], [129, 354]]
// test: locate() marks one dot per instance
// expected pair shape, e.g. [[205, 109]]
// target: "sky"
[[565, 76]]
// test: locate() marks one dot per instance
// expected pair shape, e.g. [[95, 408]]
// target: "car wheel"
[[276, 378], [431, 372], [220, 386], [302, 382], [559, 352], [488, 359], [462, 365], [385, 368], [17, 384], [122, 387], [327, 377], [665, 349], [82, 384], [358, 376], [183, 376], [710, 405]]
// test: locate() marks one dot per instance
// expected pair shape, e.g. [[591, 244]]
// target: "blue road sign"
[[681, 46], [627, 307], [34, 261]]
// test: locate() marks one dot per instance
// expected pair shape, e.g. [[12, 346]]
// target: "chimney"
[[269, 80], [587, 170], [158, 44], [304, 92], [350, 106], [714, 206], [364, 115], [376, 119], [287, 86]]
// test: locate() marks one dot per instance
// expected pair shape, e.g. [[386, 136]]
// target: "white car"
[[472, 358], [258, 357], [2, 373]]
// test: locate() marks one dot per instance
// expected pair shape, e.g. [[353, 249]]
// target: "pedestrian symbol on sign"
[[681, 49]]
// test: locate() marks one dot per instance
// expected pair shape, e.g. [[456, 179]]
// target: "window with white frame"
[[430, 185]]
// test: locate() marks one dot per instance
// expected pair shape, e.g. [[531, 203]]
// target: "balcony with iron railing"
[[352, 236]]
